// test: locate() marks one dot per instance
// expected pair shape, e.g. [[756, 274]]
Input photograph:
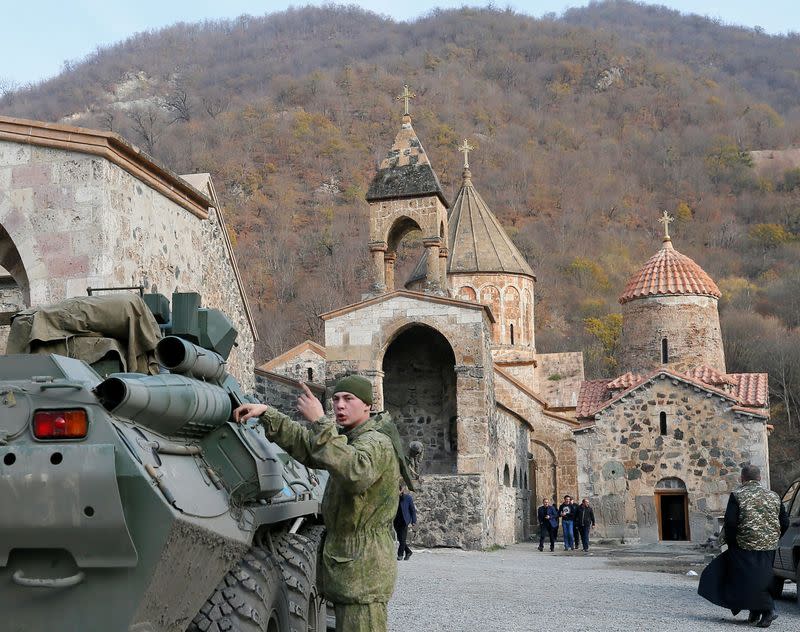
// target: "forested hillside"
[[585, 128]]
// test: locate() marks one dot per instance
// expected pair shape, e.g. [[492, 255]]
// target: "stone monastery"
[[452, 355]]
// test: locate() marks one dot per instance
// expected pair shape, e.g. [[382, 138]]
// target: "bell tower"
[[405, 195]]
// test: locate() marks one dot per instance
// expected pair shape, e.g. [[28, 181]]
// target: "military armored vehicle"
[[130, 500]]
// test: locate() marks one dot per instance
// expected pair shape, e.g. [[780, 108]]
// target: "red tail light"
[[60, 424]]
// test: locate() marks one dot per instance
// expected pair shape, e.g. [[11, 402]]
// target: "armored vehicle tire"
[[298, 557], [249, 599]]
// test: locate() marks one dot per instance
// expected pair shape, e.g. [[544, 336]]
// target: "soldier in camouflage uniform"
[[740, 578], [365, 461]]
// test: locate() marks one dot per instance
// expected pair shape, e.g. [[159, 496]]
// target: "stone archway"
[[14, 285], [419, 390]]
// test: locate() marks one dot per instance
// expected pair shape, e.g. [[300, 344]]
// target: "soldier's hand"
[[248, 411], [308, 405]]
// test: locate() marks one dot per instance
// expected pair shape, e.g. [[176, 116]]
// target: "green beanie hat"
[[357, 385]]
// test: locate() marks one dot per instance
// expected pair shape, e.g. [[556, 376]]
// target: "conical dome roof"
[[406, 171], [668, 272], [476, 240]]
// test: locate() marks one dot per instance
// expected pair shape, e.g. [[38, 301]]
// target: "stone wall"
[[281, 393], [559, 377], [510, 297], [551, 443], [624, 457], [451, 512], [297, 367], [79, 221], [690, 324], [509, 498]]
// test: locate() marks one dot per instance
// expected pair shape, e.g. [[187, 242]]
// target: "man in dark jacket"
[[406, 515], [567, 511], [584, 520], [548, 523], [740, 578]]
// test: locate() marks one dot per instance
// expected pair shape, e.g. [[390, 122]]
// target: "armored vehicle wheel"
[[249, 599], [298, 557]]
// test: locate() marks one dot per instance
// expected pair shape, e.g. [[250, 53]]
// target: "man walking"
[[548, 523], [406, 515], [567, 512], [584, 521], [740, 578], [365, 461]]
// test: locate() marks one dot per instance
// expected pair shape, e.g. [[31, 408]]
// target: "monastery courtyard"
[[519, 589]]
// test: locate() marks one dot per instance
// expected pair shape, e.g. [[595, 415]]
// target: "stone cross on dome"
[[465, 149], [406, 96], [666, 219]]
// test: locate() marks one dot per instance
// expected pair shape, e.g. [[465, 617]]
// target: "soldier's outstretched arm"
[[284, 431]]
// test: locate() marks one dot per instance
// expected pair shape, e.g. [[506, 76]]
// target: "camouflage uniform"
[[759, 509], [741, 577], [358, 563]]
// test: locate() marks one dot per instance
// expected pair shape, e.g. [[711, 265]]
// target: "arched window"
[[506, 476], [512, 333], [310, 373], [664, 351], [663, 423], [516, 480]]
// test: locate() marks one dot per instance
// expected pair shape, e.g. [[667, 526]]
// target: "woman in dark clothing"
[[584, 520]]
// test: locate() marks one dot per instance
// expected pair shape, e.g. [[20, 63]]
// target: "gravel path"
[[515, 589]]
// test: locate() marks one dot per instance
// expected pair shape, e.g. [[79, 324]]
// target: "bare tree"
[[216, 104], [179, 105], [148, 125]]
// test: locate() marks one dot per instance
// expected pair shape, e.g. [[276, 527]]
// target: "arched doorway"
[[672, 509], [419, 390], [14, 288], [404, 249]]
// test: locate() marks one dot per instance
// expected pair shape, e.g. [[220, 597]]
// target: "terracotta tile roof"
[[752, 389], [711, 376], [671, 273], [749, 394], [624, 381], [592, 394]]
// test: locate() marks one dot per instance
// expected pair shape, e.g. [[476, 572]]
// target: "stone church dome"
[[669, 273], [476, 240]]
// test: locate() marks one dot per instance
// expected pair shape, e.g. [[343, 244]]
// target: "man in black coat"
[[584, 521], [548, 523], [740, 578], [406, 515]]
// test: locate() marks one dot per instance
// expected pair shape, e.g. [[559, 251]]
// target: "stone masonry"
[[75, 219], [625, 455]]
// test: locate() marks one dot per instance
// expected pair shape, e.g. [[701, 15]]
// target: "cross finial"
[[465, 149], [406, 96], [666, 219]]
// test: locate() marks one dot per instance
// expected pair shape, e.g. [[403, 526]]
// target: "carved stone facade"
[[83, 209]]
